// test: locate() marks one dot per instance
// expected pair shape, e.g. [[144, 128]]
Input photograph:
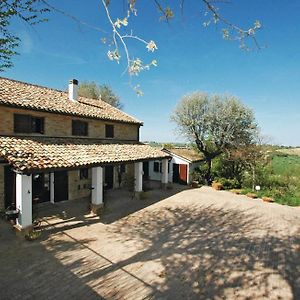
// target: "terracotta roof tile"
[[189, 154], [33, 154], [25, 95]]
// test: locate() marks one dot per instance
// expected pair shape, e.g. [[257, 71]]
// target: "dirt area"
[[192, 244]]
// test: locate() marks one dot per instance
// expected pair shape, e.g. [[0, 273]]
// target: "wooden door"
[[61, 186], [183, 173], [109, 177]]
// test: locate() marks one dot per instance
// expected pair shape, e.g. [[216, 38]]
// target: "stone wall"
[[61, 125], [1, 187], [79, 188]]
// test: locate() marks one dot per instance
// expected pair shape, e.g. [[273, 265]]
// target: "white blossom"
[[151, 46]]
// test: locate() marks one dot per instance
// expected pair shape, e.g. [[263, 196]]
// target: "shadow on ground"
[[185, 252], [208, 253]]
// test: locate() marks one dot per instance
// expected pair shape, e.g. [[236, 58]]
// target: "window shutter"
[[79, 128], [22, 123], [109, 131]]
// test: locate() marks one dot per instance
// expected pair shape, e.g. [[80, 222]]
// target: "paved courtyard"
[[194, 244]]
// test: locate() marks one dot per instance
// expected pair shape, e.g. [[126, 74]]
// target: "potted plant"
[[11, 215]]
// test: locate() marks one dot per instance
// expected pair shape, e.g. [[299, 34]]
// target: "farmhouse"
[[180, 168], [56, 146]]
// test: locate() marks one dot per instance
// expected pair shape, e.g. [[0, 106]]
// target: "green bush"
[[229, 184], [199, 174]]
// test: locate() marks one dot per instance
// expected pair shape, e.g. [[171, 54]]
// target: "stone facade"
[[79, 188], [1, 187], [56, 125], [61, 125]]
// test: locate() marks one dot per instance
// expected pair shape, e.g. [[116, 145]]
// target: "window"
[[28, 124], [79, 128], [109, 131], [84, 173], [157, 167]]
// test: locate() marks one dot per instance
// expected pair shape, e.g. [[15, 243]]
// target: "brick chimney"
[[73, 89]]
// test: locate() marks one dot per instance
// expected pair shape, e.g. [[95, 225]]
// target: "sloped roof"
[[186, 153], [28, 154], [24, 95]]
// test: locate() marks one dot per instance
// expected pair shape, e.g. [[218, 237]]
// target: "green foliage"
[[223, 167], [229, 184], [277, 174], [96, 91], [215, 123], [29, 11], [199, 173], [284, 164], [279, 180]]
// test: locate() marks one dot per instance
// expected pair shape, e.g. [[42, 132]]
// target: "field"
[[286, 165], [284, 179], [286, 174], [290, 151]]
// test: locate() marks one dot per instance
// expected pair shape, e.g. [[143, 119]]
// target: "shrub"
[[199, 174], [229, 184]]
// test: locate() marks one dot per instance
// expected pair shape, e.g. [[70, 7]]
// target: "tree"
[[29, 11], [215, 123], [253, 158], [102, 92]]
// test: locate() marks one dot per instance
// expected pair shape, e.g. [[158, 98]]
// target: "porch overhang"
[[29, 155]]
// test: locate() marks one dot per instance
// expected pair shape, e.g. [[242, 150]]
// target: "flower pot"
[[12, 215]]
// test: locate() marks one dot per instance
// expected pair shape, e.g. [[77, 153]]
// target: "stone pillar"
[[97, 189], [164, 173], [24, 201], [138, 177], [51, 178]]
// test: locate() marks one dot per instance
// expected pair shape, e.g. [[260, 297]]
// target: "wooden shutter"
[[22, 123], [79, 128], [109, 131]]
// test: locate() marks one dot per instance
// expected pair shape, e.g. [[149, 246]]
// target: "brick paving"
[[195, 244]]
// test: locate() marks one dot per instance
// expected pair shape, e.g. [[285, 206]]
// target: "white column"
[[24, 200], [52, 188], [97, 186], [164, 171], [138, 177]]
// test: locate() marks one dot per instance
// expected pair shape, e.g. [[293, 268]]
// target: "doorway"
[[176, 173], [40, 187], [183, 174], [180, 173], [61, 186], [146, 170], [109, 177], [9, 187]]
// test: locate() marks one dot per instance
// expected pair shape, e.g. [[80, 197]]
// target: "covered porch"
[[95, 161], [119, 203]]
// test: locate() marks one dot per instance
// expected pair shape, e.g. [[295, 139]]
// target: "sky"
[[190, 58]]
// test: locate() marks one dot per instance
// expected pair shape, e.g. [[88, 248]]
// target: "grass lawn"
[[288, 165]]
